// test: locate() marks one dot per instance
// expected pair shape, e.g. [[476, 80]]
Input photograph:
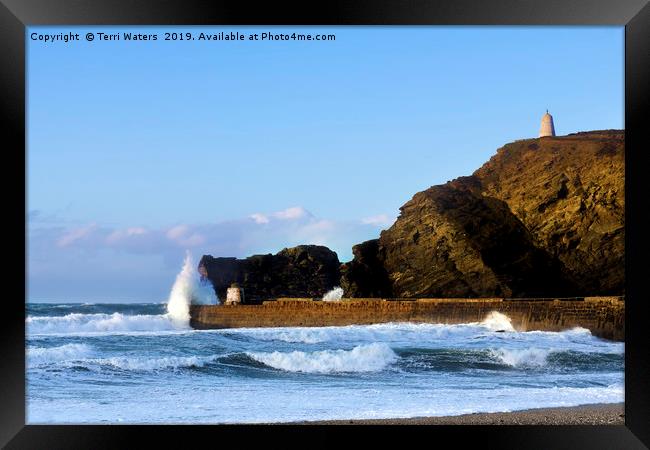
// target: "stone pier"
[[603, 316]]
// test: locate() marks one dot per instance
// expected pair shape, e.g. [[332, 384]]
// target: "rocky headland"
[[303, 271], [543, 217]]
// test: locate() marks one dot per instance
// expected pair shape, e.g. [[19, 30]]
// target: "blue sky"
[[138, 151]]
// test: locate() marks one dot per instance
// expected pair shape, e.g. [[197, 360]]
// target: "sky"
[[138, 151]]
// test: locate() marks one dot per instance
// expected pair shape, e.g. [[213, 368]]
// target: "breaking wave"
[[45, 355], [528, 357], [131, 364], [289, 335], [496, 321], [363, 358], [153, 364], [392, 332], [98, 323], [415, 335]]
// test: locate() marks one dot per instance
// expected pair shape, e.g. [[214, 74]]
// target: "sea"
[[137, 363]]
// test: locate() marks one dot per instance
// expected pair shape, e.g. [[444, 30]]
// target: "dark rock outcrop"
[[544, 217], [365, 275], [303, 271], [465, 245]]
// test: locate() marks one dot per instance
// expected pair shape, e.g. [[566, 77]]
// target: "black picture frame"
[[16, 15]]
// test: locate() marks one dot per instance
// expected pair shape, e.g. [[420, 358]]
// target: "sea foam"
[[290, 335], [125, 363], [526, 357], [97, 323], [414, 334], [153, 364], [363, 358], [46, 355]]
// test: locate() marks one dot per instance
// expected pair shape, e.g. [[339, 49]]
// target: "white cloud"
[[193, 240], [120, 235], [76, 234], [259, 218], [177, 232], [54, 249], [293, 213], [381, 220], [185, 236], [320, 226]]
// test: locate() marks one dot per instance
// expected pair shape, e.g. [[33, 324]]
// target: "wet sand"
[[596, 414]]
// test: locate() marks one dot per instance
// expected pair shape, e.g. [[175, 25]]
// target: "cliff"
[[303, 271], [543, 217], [570, 193]]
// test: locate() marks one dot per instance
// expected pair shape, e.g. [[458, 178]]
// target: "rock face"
[[365, 275], [303, 271], [543, 217]]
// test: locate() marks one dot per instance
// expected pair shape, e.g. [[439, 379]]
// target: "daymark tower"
[[547, 128]]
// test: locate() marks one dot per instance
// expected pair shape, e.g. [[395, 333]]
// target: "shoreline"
[[591, 414]]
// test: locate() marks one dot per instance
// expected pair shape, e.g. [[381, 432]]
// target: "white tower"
[[234, 295], [547, 128]]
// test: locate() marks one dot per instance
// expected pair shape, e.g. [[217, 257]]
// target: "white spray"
[[334, 295], [189, 289], [498, 322]]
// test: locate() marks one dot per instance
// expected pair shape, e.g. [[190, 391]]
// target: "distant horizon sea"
[[103, 363]]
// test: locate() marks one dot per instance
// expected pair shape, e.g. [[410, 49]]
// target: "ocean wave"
[[85, 323], [363, 358], [496, 321], [77, 360], [387, 332], [404, 334], [154, 364], [527, 357], [46, 355], [289, 335], [80, 355]]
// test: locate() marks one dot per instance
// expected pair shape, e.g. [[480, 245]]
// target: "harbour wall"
[[603, 316]]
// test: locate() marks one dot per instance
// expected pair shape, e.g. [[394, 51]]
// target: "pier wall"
[[603, 316]]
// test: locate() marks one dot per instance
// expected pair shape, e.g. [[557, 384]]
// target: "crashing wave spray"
[[333, 295], [189, 289], [496, 321]]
